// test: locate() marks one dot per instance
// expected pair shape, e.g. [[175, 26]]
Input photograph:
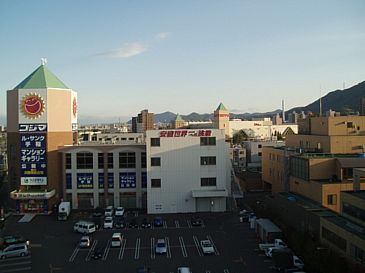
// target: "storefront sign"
[[85, 181], [32, 195], [42, 127], [185, 133], [127, 180], [33, 159]]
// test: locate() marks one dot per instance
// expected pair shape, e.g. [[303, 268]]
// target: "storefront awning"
[[26, 195], [209, 193]]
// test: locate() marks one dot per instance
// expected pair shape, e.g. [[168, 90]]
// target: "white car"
[[119, 211], [184, 270], [207, 247], [109, 211], [85, 241], [108, 222], [298, 262], [161, 247]]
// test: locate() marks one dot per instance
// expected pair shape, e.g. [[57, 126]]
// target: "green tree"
[[239, 137]]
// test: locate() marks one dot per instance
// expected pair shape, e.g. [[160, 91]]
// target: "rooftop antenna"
[[43, 61]]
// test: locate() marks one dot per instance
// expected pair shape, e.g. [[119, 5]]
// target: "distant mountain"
[[344, 101]]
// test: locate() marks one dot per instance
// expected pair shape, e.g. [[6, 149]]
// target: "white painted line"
[[106, 251], [226, 271], [136, 253], [73, 255], [216, 252], [91, 250], [196, 242], [182, 245], [207, 271], [203, 225], [15, 259], [168, 247], [164, 224], [122, 248], [189, 223], [17, 269], [35, 245], [153, 254], [177, 224], [13, 264]]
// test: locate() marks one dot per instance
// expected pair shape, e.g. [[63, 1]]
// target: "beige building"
[[221, 118], [41, 116], [143, 122], [178, 122]]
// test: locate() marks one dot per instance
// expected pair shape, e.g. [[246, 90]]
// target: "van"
[[14, 250], [85, 227], [109, 211], [116, 240]]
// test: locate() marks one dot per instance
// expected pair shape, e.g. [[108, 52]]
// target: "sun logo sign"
[[32, 105]]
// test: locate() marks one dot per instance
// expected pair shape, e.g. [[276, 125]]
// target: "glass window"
[[68, 161], [207, 160], [127, 180], [143, 160], [85, 181], [110, 161], [155, 161], [68, 181], [84, 160], [101, 180], [155, 183], [144, 180], [110, 180], [332, 199], [155, 142], [334, 239], [208, 181], [127, 160], [207, 141], [100, 160]]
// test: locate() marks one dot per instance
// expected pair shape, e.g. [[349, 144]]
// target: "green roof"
[[41, 78], [178, 118], [221, 107]]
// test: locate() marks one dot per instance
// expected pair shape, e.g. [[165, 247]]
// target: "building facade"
[[221, 119]]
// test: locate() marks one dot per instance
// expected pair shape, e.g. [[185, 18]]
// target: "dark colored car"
[[11, 240], [133, 224], [97, 253], [119, 222], [196, 221], [143, 269], [146, 223], [98, 212], [158, 222]]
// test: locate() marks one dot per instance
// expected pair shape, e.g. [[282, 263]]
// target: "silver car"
[[14, 251], [85, 241], [161, 247]]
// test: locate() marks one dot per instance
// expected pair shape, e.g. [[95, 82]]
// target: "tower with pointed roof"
[[41, 117], [178, 122], [221, 118]]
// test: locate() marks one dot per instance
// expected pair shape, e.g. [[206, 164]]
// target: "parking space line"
[[225, 270], [74, 253], [106, 251], [177, 224], [216, 252], [13, 264], [207, 271], [196, 242], [153, 248], [168, 247], [17, 269], [182, 245], [164, 224], [136, 253], [91, 250], [189, 223], [122, 248]]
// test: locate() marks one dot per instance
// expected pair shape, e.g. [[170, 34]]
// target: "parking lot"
[[55, 247]]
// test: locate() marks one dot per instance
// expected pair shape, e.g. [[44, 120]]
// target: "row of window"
[[127, 160], [335, 239], [204, 182], [204, 141], [353, 211]]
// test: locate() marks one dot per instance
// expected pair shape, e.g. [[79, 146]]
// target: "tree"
[[239, 137]]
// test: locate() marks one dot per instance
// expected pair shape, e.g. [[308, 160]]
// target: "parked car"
[[184, 270], [133, 224], [298, 262], [196, 221], [98, 212], [157, 221], [161, 247], [119, 211], [109, 210], [119, 222], [84, 227], [116, 239], [14, 251], [268, 251], [108, 222], [207, 247], [146, 223], [85, 241], [143, 269], [11, 240], [97, 253]]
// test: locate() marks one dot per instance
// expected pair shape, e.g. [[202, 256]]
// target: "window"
[[127, 160], [350, 124], [260, 154], [208, 181], [207, 160], [68, 181], [110, 161], [143, 160], [155, 183], [259, 146], [353, 211], [100, 161], [110, 180], [207, 141], [155, 142], [101, 180], [127, 180], [155, 161], [84, 160], [144, 180], [68, 161], [332, 199], [332, 237]]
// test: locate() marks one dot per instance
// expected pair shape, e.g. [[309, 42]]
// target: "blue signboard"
[[110, 180], [85, 181], [33, 128], [101, 180], [127, 180], [33, 159]]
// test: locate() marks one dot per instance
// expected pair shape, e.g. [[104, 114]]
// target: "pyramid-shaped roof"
[[221, 107], [41, 78], [178, 118]]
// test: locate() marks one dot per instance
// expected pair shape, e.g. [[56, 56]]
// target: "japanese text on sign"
[[185, 133], [42, 127]]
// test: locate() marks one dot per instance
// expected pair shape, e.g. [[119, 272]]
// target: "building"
[[254, 150], [41, 116], [187, 171], [143, 122], [238, 157], [178, 122], [221, 119]]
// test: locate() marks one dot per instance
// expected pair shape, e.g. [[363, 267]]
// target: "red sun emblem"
[[74, 107], [32, 105]]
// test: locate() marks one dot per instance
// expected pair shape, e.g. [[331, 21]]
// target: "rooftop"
[[358, 194]]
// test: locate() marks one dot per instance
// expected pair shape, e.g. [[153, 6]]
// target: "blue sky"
[[185, 56]]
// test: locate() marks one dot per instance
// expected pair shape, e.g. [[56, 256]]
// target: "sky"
[[185, 56]]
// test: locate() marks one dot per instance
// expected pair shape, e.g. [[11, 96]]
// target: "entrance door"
[[202, 204]]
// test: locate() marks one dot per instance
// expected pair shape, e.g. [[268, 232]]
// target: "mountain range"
[[344, 101]]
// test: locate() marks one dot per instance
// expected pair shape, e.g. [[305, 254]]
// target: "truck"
[[277, 243], [282, 258], [64, 209]]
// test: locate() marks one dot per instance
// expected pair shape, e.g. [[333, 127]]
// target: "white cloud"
[[127, 51], [162, 35]]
